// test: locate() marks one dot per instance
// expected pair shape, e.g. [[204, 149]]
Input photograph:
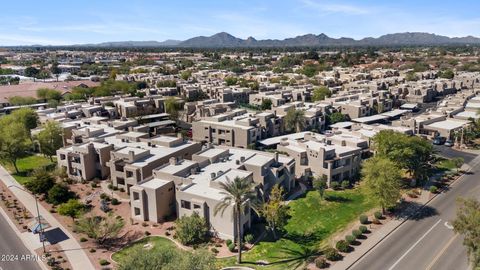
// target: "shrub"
[[363, 229], [59, 194], [115, 201], [83, 239], [167, 233], [191, 229], [228, 242], [412, 194], [249, 238], [215, 250], [321, 262], [376, 221], [115, 188], [363, 219], [147, 233], [104, 262], [342, 246], [335, 185], [332, 254], [110, 186], [345, 184], [231, 247], [356, 233], [93, 185], [378, 215], [433, 189], [92, 250], [350, 239], [121, 189]]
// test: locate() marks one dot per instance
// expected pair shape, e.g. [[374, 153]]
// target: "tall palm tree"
[[295, 120], [239, 194]]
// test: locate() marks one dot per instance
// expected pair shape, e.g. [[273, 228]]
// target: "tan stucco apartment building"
[[187, 186]]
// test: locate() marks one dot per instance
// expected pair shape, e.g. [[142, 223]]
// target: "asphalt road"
[[427, 241], [449, 152], [12, 249]]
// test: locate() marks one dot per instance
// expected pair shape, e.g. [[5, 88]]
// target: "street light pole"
[[38, 216]]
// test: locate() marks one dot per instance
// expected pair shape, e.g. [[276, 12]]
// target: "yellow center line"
[[441, 252]]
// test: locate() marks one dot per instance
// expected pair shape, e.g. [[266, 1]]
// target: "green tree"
[[320, 184], [186, 74], [458, 162], [72, 208], [321, 93], [231, 80], [408, 152], [446, 74], [467, 223], [18, 101], [240, 195], [382, 180], [54, 69], [41, 183], [191, 229], [411, 76], [295, 120], [266, 104], [100, 228], [172, 107], [275, 211], [14, 140], [50, 139], [336, 117], [27, 117], [31, 72], [60, 193]]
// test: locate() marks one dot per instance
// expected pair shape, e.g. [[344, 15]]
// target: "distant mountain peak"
[[224, 39]]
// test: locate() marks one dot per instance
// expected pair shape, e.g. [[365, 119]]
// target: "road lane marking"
[[441, 252], [414, 245], [448, 225]]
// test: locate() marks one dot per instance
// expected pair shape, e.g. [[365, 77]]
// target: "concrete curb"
[[19, 234]]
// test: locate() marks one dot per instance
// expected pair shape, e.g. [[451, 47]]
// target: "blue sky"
[[91, 21]]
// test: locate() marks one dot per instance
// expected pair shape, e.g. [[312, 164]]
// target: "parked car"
[[439, 140], [448, 143]]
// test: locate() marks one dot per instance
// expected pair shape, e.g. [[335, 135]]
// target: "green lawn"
[[155, 241], [26, 165], [312, 222], [445, 164]]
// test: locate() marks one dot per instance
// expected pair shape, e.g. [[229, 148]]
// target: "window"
[[62, 157], [196, 206], [136, 196], [186, 204], [137, 211], [129, 174]]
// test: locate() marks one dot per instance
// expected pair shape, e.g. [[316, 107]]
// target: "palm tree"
[[295, 120], [240, 195]]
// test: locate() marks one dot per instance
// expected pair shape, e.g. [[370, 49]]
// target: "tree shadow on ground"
[[336, 198], [416, 211], [305, 239]]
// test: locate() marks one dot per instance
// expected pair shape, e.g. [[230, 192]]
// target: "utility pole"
[[40, 234]]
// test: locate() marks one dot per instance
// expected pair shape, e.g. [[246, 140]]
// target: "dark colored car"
[[439, 140]]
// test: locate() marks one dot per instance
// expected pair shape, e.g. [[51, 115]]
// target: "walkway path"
[[75, 254]]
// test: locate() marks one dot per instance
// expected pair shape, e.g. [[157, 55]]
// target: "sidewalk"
[[74, 252]]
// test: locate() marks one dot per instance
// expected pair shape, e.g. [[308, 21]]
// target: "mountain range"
[[225, 40]]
